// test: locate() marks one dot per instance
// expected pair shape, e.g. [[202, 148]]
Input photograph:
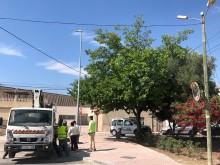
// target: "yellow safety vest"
[[61, 131]]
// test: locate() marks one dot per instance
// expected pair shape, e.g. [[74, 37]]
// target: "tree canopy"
[[126, 73]]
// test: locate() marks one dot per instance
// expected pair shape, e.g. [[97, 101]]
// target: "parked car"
[[127, 126], [215, 130], [178, 130]]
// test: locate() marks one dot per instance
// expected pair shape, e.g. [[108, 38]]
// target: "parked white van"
[[127, 126]]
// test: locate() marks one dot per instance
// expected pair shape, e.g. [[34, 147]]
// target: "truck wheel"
[[50, 152], [114, 132], [11, 154]]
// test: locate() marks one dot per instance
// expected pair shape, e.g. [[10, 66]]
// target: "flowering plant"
[[192, 113]]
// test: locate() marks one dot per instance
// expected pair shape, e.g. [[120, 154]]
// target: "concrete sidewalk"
[[112, 151]]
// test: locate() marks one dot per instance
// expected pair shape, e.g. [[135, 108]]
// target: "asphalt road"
[[40, 158]]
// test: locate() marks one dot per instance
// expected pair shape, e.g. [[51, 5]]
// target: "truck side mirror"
[[1, 121]]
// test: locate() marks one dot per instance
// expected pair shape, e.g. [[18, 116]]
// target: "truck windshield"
[[30, 117]]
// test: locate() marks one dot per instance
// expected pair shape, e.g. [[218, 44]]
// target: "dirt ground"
[[190, 161]]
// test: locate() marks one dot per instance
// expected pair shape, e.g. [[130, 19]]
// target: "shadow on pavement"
[[36, 158]]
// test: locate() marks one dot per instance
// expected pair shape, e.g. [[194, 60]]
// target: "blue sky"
[[22, 66]]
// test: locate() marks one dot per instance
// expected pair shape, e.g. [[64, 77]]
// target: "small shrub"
[[177, 146], [169, 144], [194, 150], [151, 139], [161, 142]]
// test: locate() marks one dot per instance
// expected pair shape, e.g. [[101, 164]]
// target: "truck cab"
[[30, 128]]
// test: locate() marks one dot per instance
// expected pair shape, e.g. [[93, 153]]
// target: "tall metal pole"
[[206, 88], [206, 85], [78, 94]]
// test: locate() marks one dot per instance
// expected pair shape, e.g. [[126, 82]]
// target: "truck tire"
[[50, 152], [11, 154]]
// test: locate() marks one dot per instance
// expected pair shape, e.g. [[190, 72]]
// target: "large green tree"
[[126, 73], [122, 72]]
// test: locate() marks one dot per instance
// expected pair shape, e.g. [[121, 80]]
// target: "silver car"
[[178, 130]]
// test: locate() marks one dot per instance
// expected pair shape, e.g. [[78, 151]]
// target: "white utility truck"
[[30, 129]]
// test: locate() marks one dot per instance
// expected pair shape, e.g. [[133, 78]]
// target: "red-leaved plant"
[[192, 113]]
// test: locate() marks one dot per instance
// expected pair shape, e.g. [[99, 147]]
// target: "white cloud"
[[60, 68], [88, 37], [9, 51]]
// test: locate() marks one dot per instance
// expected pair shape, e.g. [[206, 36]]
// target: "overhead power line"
[[33, 86], [208, 40], [38, 49], [89, 24]]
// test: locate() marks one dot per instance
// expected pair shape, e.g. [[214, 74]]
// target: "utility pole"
[[206, 88], [78, 91]]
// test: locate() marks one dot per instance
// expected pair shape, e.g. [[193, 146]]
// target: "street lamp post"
[[206, 85], [78, 94]]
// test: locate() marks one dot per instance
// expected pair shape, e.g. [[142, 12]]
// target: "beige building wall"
[[6, 105], [64, 110], [104, 120]]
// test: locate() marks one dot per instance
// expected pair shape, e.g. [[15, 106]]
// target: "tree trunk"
[[138, 118], [172, 128]]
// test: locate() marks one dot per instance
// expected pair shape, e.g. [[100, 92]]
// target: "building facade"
[[66, 109]]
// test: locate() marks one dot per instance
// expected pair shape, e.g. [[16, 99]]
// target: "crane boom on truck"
[[30, 128]]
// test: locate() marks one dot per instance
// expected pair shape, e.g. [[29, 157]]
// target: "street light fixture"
[[210, 3], [78, 94], [206, 85]]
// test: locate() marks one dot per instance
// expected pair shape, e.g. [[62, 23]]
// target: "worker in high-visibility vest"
[[62, 137]]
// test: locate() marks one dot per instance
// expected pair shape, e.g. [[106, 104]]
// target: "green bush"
[[169, 144], [160, 143], [151, 139], [175, 146]]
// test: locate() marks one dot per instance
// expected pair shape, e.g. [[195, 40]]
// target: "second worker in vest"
[[62, 137]]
